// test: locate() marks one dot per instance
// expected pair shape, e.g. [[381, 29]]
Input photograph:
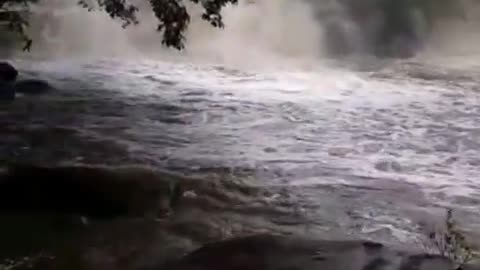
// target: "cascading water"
[[268, 29], [272, 30]]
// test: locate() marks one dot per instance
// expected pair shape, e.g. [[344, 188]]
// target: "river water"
[[376, 149], [378, 152]]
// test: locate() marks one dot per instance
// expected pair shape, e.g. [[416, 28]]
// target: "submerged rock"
[[7, 92], [7, 72], [32, 87], [97, 192], [269, 252]]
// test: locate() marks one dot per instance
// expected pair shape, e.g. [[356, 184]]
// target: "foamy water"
[[373, 152]]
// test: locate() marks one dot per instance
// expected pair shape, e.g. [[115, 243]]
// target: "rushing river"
[[378, 153], [327, 148]]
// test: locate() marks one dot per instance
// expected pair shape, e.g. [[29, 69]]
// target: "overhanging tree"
[[173, 17]]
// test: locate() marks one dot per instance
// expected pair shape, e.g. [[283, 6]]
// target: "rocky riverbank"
[[94, 217], [269, 252], [133, 218], [10, 86]]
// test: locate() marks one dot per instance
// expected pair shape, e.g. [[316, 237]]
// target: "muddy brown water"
[[332, 153]]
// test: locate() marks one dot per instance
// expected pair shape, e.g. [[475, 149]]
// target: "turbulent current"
[[377, 149]]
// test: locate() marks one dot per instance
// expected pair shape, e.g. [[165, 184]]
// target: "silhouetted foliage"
[[173, 17], [451, 243]]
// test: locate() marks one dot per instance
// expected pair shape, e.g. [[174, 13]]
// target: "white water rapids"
[[378, 150]]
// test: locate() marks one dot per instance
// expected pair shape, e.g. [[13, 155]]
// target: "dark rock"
[[32, 87], [7, 92], [7, 72], [96, 192], [268, 252]]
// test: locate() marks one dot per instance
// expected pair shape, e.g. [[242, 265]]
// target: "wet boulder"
[[96, 192], [7, 92], [32, 87], [269, 252], [7, 72]]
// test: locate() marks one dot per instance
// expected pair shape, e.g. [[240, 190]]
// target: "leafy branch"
[[172, 15], [451, 243]]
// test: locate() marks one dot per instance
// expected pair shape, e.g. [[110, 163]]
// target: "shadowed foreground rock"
[[7, 92], [32, 87], [268, 252], [90, 191], [7, 72], [8, 75]]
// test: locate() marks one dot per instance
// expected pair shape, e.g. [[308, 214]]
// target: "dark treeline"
[[385, 26]]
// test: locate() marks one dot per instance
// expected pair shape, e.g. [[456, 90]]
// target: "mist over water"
[[262, 32]]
